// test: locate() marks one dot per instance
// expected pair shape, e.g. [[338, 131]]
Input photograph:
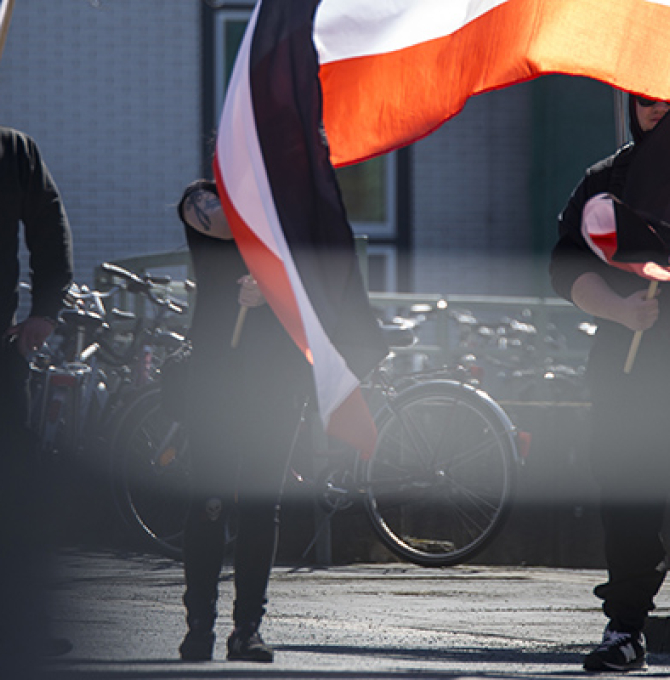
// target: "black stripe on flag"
[[286, 98]]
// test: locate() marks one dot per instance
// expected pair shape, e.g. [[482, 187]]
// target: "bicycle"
[[84, 378], [439, 485], [151, 473], [437, 488], [517, 363]]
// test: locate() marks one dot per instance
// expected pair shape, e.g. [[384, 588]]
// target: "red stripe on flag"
[[281, 198], [377, 103], [353, 424], [267, 269], [607, 243], [373, 104]]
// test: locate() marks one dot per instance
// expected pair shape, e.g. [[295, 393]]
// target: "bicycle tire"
[[439, 485], [151, 474]]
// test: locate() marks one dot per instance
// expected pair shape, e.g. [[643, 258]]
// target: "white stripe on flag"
[[241, 162], [243, 173], [344, 29], [393, 71]]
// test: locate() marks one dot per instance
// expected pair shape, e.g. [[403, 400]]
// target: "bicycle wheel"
[[151, 474], [439, 483]]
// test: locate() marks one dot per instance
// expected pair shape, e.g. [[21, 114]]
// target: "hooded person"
[[629, 459], [242, 404]]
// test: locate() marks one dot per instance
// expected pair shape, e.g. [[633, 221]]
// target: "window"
[[229, 27], [368, 192]]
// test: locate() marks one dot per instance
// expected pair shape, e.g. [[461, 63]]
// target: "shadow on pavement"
[[470, 663]]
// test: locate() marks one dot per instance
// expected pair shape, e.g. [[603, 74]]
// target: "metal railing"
[[441, 336]]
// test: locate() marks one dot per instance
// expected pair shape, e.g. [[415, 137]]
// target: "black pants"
[[254, 527], [631, 462], [239, 457], [22, 537], [635, 562]]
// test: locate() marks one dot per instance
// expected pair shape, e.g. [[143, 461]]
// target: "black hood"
[[647, 187], [633, 123]]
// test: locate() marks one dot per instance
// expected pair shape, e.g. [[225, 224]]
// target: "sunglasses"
[[646, 103]]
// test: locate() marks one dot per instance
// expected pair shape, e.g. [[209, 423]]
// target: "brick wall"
[[112, 96], [471, 206]]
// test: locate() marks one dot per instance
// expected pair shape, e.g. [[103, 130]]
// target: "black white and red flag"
[[627, 239], [377, 75], [634, 233], [285, 209]]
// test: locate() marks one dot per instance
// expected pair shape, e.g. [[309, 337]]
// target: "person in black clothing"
[[28, 195], [242, 410], [629, 410]]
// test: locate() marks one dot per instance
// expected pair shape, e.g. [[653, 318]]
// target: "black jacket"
[[29, 195], [572, 257], [267, 365]]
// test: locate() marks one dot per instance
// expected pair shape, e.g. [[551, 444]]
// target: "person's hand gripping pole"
[[250, 296], [635, 343]]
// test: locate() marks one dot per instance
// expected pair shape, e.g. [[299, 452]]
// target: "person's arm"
[[47, 232], [200, 208], [49, 242], [571, 256], [32, 333], [594, 296]]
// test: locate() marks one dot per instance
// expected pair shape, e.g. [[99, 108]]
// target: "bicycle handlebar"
[[143, 285], [82, 303], [135, 283]]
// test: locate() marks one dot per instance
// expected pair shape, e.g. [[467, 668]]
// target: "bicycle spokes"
[[439, 481]]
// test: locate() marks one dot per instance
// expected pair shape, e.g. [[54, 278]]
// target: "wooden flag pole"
[[651, 291], [235, 340], [5, 18]]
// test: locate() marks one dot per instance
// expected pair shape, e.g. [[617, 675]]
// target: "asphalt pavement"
[[123, 614]]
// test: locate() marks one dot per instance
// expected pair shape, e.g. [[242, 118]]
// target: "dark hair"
[[197, 185], [633, 123]]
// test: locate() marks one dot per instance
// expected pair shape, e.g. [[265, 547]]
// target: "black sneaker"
[[619, 651], [198, 645], [246, 644]]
